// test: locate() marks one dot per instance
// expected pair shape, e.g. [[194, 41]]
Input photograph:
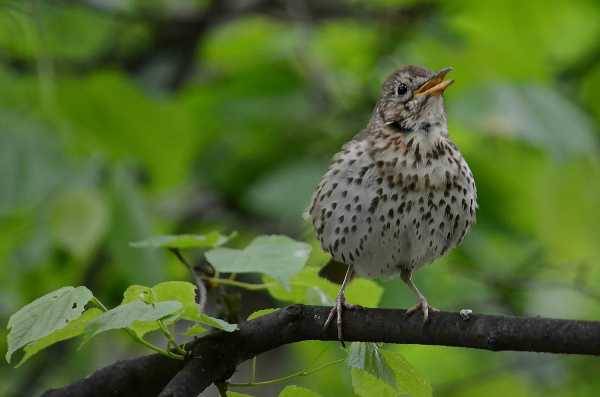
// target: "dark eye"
[[402, 89]]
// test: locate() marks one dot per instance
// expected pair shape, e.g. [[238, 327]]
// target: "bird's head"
[[411, 100]]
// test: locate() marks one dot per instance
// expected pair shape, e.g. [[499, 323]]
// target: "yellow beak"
[[435, 85]]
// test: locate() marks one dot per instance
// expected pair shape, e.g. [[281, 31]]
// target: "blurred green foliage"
[[98, 147]]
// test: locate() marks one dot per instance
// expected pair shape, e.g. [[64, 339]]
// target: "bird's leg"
[[340, 302], [422, 303]]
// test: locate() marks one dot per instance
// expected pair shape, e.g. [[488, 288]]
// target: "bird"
[[399, 194]]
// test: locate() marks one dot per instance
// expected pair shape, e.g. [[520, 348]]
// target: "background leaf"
[[278, 256], [131, 219], [309, 288], [79, 220], [284, 194], [182, 241], [32, 162], [536, 114], [297, 391]]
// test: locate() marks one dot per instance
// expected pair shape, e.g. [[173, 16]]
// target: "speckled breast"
[[395, 206]]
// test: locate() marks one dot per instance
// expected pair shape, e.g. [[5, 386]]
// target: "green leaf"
[[185, 293], [309, 288], [181, 291], [137, 293], [366, 356], [216, 322], [365, 384], [144, 294], [124, 316], [260, 313], [277, 256], [297, 391], [369, 380], [45, 315], [78, 221], [181, 241], [306, 287], [236, 394], [72, 330], [194, 330], [408, 379]]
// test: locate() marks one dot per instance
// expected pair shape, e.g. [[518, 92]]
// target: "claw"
[[422, 305]]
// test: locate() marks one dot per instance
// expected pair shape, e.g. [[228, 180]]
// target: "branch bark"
[[216, 356]]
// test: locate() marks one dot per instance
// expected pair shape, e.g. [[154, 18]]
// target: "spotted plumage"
[[399, 194]]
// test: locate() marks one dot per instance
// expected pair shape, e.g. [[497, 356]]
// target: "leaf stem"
[[241, 284], [169, 335], [222, 387], [139, 339], [253, 374], [304, 372], [151, 346], [97, 302]]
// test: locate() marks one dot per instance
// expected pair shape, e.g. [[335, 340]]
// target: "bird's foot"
[[423, 306], [336, 310]]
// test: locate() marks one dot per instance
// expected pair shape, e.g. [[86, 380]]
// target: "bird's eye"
[[402, 89]]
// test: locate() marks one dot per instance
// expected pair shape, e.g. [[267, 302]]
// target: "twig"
[[202, 294], [304, 372]]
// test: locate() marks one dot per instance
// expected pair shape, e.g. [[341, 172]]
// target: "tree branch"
[[216, 356]]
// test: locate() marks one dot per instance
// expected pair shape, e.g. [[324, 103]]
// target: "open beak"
[[435, 85]]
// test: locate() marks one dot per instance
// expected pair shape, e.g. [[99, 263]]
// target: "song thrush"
[[399, 194]]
